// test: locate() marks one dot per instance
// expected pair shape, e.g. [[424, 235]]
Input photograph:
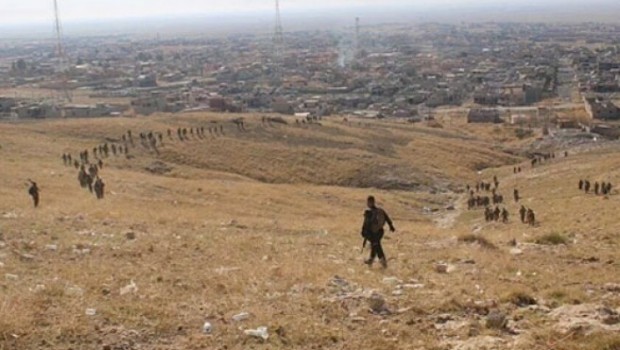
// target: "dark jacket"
[[374, 221]]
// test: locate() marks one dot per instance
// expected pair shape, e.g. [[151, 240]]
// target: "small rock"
[[441, 268], [26, 257], [450, 208], [516, 251], [444, 268], [391, 280], [260, 332], [207, 328], [612, 287], [11, 277], [281, 332], [130, 235], [51, 247], [241, 317], [496, 320], [443, 318], [38, 288], [131, 288], [74, 291], [78, 251], [376, 302], [90, 312], [609, 317], [10, 215]]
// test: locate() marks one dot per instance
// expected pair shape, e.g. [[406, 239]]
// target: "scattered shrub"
[[552, 239], [521, 133], [475, 239]]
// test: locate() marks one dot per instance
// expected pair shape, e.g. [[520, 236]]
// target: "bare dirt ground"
[[266, 222]]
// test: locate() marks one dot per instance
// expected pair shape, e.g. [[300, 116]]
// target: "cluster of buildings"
[[402, 71]]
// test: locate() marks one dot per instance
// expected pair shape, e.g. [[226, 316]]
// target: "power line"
[[278, 44], [61, 55]]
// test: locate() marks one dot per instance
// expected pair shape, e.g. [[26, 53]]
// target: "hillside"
[[266, 221]]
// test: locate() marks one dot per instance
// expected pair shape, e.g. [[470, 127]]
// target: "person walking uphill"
[[375, 219], [33, 191]]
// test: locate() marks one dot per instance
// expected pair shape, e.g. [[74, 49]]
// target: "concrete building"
[[480, 115], [601, 109]]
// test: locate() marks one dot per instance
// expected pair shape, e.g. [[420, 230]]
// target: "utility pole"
[[278, 44], [357, 38], [61, 55]]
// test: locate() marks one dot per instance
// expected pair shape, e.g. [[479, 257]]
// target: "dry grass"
[[262, 221], [553, 238], [476, 239]]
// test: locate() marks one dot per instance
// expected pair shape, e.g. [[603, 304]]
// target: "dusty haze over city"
[[216, 17]]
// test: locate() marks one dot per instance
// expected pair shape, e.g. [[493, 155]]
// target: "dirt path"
[[448, 219]]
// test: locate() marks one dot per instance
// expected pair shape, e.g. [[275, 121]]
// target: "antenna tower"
[[63, 62], [357, 37], [278, 43]]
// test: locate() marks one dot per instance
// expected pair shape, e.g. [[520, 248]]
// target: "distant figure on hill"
[[596, 188], [587, 186], [531, 217], [523, 212], [516, 195], [505, 215], [580, 185], [99, 188], [496, 214], [33, 191], [488, 214], [375, 219]]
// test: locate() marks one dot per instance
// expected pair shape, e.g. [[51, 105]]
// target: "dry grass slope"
[[262, 221]]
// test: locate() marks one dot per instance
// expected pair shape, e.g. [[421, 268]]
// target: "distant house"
[[486, 98], [222, 104], [280, 105], [568, 123], [480, 115], [607, 131], [36, 111], [6, 104], [147, 105], [85, 111], [601, 110]]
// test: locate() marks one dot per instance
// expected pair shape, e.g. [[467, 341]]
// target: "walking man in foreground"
[[375, 219]]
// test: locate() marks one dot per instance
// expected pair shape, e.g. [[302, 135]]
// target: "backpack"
[[377, 220]]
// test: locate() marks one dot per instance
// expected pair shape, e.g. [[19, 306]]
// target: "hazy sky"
[[30, 11]]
